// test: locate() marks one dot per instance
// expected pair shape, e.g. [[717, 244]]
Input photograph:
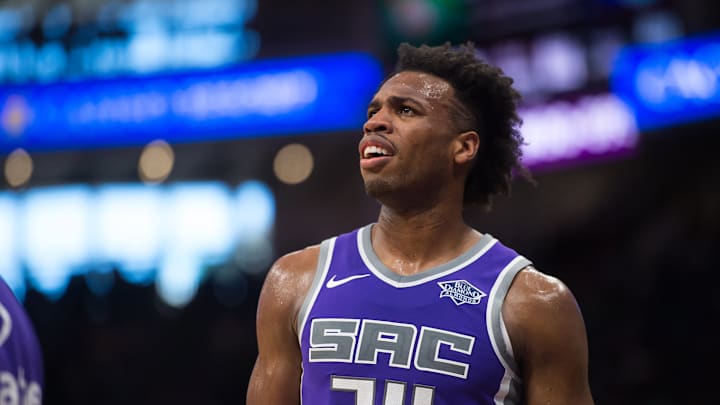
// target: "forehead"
[[417, 85]]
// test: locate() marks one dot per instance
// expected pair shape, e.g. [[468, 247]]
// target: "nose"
[[379, 122]]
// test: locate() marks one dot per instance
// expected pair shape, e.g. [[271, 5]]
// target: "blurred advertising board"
[[670, 83], [273, 97]]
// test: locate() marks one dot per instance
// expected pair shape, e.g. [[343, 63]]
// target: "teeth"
[[370, 150]]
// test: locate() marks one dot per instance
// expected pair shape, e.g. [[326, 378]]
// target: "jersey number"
[[364, 389]]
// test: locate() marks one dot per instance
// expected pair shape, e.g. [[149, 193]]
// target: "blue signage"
[[670, 83], [275, 97]]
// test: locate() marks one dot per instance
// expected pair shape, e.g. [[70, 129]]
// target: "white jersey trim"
[[497, 332], [324, 260]]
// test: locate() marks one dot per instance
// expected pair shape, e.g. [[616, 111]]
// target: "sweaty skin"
[[420, 186], [548, 337], [433, 88], [277, 372]]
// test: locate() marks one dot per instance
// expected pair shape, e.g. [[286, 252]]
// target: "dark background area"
[[634, 236]]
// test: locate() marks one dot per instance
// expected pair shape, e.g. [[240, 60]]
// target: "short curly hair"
[[491, 102]]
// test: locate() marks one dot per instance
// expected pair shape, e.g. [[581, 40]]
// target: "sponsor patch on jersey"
[[461, 292]]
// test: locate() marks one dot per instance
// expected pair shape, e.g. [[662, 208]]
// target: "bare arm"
[[276, 375], [548, 335]]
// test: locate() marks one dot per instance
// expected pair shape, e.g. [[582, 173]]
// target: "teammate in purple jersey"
[[419, 308], [21, 364]]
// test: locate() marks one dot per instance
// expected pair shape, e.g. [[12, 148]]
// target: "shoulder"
[[293, 269], [296, 263], [279, 362], [548, 339], [535, 288], [288, 281], [540, 308]]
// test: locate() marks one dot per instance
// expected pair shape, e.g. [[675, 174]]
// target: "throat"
[[405, 267], [408, 250]]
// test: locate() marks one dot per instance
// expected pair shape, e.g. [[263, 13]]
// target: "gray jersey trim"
[[323, 265], [373, 263], [510, 392]]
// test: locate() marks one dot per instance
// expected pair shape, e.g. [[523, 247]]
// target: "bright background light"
[[595, 125], [167, 234], [129, 229], [10, 269], [199, 219], [55, 235]]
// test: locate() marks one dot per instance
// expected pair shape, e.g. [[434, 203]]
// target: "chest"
[[433, 334]]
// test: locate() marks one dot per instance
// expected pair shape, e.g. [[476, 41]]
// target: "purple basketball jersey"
[[21, 365], [372, 337]]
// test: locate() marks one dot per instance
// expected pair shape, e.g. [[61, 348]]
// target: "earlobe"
[[468, 144]]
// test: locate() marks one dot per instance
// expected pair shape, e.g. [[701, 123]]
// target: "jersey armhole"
[[497, 331], [324, 258]]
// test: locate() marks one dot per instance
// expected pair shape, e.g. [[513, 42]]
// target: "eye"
[[405, 110], [370, 113]]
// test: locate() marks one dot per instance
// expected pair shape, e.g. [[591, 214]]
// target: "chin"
[[377, 188]]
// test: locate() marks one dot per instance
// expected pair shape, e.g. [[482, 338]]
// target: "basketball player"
[[419, 308], [21, 364]]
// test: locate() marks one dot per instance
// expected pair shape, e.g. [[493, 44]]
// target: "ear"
[[466, 147]]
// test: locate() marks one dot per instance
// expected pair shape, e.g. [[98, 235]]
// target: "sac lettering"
[[360, 341]]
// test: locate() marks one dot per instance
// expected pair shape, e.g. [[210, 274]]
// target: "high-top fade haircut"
[[491, 110]]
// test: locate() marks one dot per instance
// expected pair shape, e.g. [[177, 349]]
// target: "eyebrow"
[[396, 100]]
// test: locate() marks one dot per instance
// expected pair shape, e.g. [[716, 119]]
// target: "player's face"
[[407, 138]]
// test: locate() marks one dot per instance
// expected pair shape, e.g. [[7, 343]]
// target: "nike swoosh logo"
[[332, 283]]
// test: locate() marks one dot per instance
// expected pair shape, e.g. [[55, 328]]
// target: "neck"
[[410, 241]]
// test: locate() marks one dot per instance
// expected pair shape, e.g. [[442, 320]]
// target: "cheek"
[[431, 158], [430, 139]]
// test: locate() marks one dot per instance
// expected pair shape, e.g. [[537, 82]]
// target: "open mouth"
[[374, 151]]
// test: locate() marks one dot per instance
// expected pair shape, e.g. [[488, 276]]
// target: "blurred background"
[[158, 155]]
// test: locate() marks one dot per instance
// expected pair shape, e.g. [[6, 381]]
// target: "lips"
[[375, 147], [375, 152]]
